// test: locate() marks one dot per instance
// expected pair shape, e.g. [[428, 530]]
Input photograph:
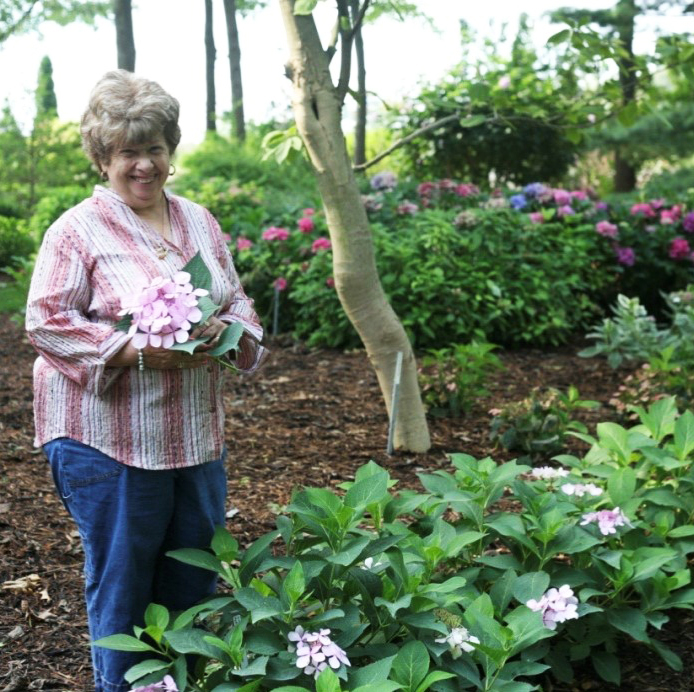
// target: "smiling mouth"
[[144, 180]]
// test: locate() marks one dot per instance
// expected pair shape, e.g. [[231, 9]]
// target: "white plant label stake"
[[394, 402]]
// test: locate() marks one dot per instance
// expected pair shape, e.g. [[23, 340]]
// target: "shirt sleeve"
[[57, 321], [250, 354]]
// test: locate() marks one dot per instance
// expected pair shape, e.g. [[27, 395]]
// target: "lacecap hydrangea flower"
[[607, 520], [167, 684], [459, 640], [315, 651], [556, 605], [581, 489], [549, 473]]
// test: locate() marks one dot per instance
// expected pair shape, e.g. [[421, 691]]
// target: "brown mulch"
[[309, 418]]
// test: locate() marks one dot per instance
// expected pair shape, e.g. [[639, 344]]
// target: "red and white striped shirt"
[[93, 255]]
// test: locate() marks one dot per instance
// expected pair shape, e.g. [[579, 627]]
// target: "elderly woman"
[[135, 439]]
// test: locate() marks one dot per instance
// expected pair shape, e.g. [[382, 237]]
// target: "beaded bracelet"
[[140, 360]]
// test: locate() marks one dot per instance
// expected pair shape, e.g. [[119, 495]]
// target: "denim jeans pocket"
[[82, 466]]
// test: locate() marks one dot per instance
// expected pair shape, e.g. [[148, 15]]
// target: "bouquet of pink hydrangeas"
[[163, 313]]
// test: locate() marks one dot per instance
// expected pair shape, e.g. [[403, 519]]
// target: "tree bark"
[[360, 126], [317, 109], [238, 118], [210, 55], [125, 40]]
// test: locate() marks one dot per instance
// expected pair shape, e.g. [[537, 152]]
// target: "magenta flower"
[[167, 684], [607, 519], [679, 248], [315, 651], [274, 233], [580, 195], [426, 189], [625, 256], [243, 243], [565, 210], [309, 211], [330, 282], [561, 197], [556, 605], [163, 312], [467, 190], [280, 283], [688, 222], [319, 244], [671, 216], [643, 209], [607, 229], [306, 224], [536, 217]]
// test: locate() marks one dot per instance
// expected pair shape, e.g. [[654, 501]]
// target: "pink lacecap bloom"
[[280, 283], [167, 684], [679, 248], [607, 229], [407, 208], [309, 211], [315, 651], [581, 195], [447, 184], [275, 233], [607, 520], [688, 222], [330, 282], [643, 209], [561, 197], [426, 188], [601, 206], [163, 312], [321, 243], [625, 256], [670, 216], [306, 224], [658, 203], [243, 243], [537, 217], [556, 605], [504, 82], [565, 210], [467, 190], [227, 237]]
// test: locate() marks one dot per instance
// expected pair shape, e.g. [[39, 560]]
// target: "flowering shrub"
[[460, 587]]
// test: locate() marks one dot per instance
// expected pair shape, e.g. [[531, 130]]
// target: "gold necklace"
[[162, 250]]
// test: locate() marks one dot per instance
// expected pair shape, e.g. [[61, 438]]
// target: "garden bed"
[[310, 418]]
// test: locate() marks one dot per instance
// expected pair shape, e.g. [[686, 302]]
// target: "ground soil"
[[311, 417]]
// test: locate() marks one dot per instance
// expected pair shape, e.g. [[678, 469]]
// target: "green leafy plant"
[[453, 379], [538, 425], [15, 241]]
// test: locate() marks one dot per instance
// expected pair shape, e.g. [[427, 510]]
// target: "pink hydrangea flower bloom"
[[306, 224], [275, 233], [407, 208], [163, 312], [536, 217], [309, 211], [243, 243], [280, 283], [607, 229], [565, 210], [467, 190], [330, 282], [625, 256], [643, 209], [670, 216], [580, 195], [459, 640], [561, 197], [426, 188], [319, 244], [167, 684], [679, 248], [607, 519], [556, 605]]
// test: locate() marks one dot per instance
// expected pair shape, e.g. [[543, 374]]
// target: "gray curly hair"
[[124, 108]]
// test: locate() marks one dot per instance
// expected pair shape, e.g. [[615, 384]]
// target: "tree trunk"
[[317, 108], [238, 118], [210, 55], [125, 40], [624, 172], [360, 126]]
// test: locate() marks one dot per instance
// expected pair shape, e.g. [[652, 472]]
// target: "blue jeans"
[[128, 518]]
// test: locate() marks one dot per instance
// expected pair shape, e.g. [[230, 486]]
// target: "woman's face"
[[138, 172]]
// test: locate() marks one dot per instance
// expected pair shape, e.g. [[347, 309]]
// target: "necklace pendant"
[[162, 252]]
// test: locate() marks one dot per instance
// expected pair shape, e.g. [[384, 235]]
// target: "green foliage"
[[46, 101], [538, 426], [422, 588], [52, 205], [16, 242], [452, 379], [14, 293]]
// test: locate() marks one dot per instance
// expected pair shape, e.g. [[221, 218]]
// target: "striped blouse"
[[93, 255]]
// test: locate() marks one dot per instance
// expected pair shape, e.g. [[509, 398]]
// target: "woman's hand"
[[210, 331], [157, 358]]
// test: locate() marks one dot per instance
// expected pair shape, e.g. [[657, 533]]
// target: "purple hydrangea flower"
[[533, 190], [518, 202], [556, 605], [688, 222], [625, 256], [384, 181], [315, 651], [607, 520]]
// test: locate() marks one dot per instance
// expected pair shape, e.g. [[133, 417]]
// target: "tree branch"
[[360, 19], [345, 49], [13, 27]]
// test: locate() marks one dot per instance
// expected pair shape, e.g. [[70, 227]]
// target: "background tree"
[[210, 57], [20, 16], [125, 39], [45, 98], [317, 106]]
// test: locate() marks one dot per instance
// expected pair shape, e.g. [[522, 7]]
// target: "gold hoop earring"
[[172, 169], [104, 176]]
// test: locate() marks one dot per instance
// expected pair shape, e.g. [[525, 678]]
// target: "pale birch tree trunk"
[[317, 107]]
